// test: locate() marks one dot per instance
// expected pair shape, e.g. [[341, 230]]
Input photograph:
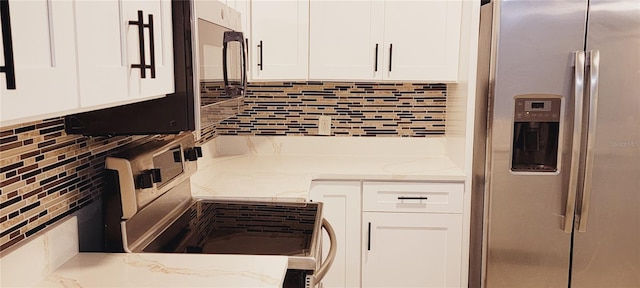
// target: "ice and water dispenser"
[[536, 130]]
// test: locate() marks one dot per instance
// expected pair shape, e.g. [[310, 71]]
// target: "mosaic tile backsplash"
[[46, 175], [356, 109]]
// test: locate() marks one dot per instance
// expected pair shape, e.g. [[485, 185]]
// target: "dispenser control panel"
[[537, 110], [536, 133]]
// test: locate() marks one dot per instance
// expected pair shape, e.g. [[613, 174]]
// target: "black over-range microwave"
[[178, 111]]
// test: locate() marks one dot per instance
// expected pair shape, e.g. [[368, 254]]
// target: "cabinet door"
[[242, 6], [422, 40], [411, 249], [341, 207], [345, 40], [102, 62], [279, 39], [45, 61], [163, 83]]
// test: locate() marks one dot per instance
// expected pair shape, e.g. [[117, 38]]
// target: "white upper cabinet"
[[74, 56], [384, 40], [157, 47], [422, 40], [46, 79], [279, 39], [346, 40], [102, 57], [243, 7]]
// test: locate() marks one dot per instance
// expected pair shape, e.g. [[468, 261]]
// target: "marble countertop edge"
[[168, 270]]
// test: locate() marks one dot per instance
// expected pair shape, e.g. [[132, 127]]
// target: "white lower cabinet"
[[411, 249], [393, 234], [341, 207]]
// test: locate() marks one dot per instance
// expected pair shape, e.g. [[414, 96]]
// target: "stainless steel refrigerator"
[[560, 172]]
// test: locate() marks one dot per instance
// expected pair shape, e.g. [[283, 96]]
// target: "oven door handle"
[[326, 264]]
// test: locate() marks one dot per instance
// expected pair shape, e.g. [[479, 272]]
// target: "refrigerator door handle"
[[578, 94], [594, 74]]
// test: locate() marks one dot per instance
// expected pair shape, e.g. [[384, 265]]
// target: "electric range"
[[149, 209]]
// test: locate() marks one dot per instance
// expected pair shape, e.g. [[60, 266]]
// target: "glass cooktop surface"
[[220, 227]]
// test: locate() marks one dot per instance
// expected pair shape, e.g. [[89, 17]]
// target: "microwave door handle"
[[232, 36], [578, 95], [243, 46], [593, 63], [246, 47], [224, 62]]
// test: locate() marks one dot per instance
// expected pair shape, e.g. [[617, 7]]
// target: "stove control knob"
[[155, 175], [192, 154], [144, 181], [147, 178]]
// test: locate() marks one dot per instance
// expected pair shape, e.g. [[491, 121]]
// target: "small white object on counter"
[[168, 270]]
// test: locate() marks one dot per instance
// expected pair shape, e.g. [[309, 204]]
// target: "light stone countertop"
[[288, 177], [168, 270], [281, 168], [51, 259]]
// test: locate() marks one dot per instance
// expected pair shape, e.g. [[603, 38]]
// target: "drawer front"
[[436, 197]]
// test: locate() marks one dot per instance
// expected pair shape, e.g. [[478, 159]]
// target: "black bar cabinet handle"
[[142, 66], [375, 67], [390, 55], [412, 198], [260, 63], [369, 238], [152, 45], [8, 68]]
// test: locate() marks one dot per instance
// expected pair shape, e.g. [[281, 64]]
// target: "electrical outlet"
[[324, 125]]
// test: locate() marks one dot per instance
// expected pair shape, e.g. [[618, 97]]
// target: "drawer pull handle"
[[412, 198]]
